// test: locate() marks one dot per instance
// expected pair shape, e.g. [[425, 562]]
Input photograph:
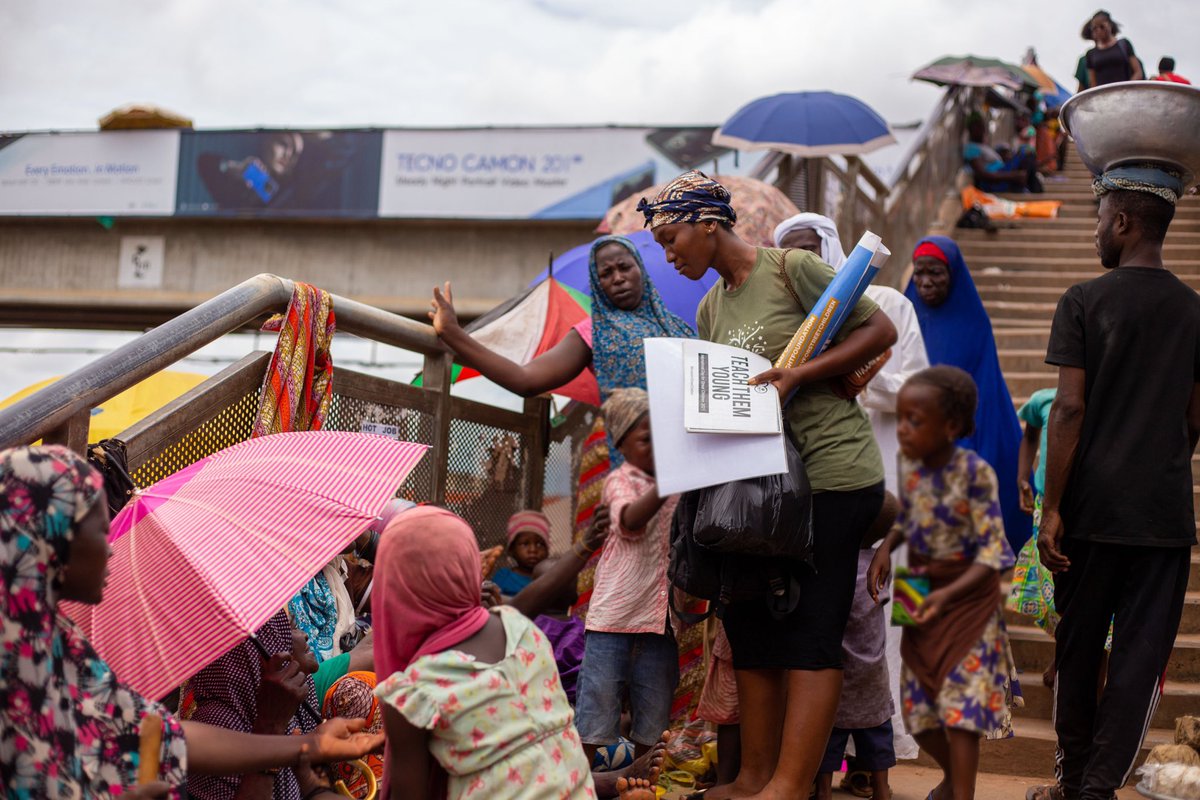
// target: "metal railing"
[[485, 462]]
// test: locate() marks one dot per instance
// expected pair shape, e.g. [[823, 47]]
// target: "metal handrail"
[[51, 408]]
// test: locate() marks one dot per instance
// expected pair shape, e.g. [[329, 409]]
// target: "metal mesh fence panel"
[[227, 428], [561, 479], [348, 413], [485, 478]]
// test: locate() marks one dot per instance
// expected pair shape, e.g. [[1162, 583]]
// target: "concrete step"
[[1189, 623], [1024, 384], [1178, 700], [1016, 292], [1183, 213], [1001, 321], [1030, 278], [1077, 262], [1040, 313], [1078, 234], [1027, 360], [975, 250], [1022, 338], [1031, 750], [1033, 650]]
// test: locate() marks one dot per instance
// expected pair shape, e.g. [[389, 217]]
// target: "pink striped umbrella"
[[204, 557]]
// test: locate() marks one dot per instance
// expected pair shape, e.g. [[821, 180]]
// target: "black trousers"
[[1142, 590]]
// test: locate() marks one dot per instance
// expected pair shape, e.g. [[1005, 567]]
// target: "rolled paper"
[[150, 737], [836, 302]]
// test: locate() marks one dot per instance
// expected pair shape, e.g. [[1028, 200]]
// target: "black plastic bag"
[[769, 516], [726, 578], [108, 457]]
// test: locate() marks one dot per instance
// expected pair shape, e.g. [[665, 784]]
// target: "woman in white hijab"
[[818, 234]]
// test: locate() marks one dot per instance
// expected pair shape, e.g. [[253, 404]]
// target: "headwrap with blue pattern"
[[692, 197]]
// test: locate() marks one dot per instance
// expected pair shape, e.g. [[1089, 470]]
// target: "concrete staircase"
[[1021, 272]]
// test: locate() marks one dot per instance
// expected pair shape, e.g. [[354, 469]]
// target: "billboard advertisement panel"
[[529, 173], [128, 173], [279, 173]]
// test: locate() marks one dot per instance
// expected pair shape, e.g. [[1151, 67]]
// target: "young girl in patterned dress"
[[955, 685]]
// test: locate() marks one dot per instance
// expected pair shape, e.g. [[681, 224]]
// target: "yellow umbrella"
[[135, 403], [1045, 82]]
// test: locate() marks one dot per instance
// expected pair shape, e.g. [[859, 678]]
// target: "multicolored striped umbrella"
[[204, 557], [524, 327]]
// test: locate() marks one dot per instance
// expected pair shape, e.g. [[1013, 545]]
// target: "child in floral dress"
[[472, 702], [956, 680]]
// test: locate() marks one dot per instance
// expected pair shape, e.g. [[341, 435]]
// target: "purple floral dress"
[[68, 729], [954, 513]]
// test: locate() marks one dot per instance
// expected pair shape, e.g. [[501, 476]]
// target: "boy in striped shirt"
[[629, 645]]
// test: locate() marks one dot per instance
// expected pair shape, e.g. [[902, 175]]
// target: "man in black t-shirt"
[[1118, 523]]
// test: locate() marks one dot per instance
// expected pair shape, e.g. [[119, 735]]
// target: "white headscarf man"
[[818, 234]]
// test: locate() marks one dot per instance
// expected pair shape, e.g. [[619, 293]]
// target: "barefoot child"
[[955, 680], [528, 545], [629, 646]]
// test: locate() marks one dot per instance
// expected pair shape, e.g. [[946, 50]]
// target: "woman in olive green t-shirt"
[[788, 669]]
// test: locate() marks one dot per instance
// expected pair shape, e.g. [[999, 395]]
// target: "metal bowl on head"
[[1136, 122]]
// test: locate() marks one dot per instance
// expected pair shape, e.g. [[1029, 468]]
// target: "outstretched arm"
[[219, 751], [551, 369]]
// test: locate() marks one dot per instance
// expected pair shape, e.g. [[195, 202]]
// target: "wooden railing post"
[[537, 411], [73, 433], [436, 378]]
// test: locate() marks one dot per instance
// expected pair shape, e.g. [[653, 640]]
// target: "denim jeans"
[[644, 664]]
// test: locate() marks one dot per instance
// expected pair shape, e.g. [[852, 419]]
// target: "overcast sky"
[[244, 63]]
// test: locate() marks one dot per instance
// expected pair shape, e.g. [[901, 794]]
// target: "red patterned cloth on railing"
[[298, 386]]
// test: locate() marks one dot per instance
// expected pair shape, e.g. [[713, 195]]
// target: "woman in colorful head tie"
[[68, 728], [958, 332], [788, 670]]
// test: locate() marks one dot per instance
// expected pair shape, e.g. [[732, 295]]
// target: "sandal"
[[1049, 791], [857, 783]]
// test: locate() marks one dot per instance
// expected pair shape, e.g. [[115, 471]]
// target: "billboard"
[[127, 173], [458, 173], [529, 173], [279, 173]]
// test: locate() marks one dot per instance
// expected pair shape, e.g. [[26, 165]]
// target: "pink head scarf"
[[427, 587]]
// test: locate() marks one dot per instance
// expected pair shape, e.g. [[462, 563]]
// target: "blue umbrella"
[[679, 294], [806, 124]]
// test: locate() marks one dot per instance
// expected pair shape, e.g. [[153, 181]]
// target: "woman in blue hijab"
[[957, 331], [626, 308]]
